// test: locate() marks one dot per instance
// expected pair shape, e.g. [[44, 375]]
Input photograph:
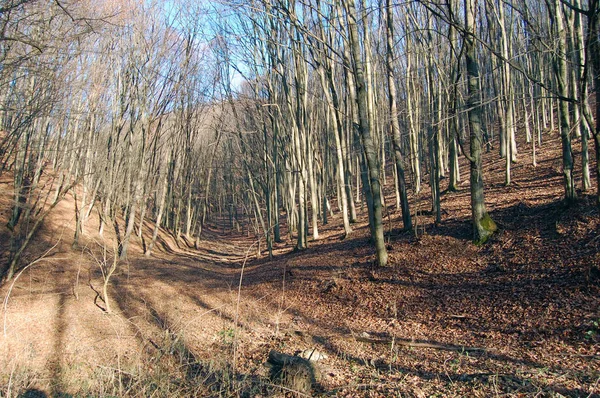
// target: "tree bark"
[[560, 67], [483, 225], [393, 107], [365, 132]]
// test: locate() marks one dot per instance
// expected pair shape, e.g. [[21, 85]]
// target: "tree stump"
[[292, 372]]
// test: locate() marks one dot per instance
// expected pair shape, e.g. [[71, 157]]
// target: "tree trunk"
[[483, 225], [396, 139], [560, 66], [365, 132], [338, 132], [593, 57]]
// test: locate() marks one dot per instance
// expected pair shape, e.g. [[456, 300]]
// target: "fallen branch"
[[597, 357], [402, 342], [419, 344]]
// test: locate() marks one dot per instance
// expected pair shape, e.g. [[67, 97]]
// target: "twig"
[[593, 388], [114, 369], [461, 316], [593, 241]]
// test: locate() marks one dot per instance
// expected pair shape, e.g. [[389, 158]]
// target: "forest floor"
[[519, 316]]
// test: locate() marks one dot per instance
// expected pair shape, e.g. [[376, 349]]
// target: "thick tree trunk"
[[483, 225], [560, 65], [365, 132]]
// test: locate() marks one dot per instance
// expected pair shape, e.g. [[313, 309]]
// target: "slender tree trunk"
[[161, 207], [276, 178], [593, 57], [453, 122], [314, 194], [411, 104], [508, 108], [396, 139], [338, 132], [131, 215], [348, 158]]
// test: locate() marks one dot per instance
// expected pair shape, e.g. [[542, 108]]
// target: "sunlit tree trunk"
[[483, 225], [560, 66], [370, 151], [396, 139]]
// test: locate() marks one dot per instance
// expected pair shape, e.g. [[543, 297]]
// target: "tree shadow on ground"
[[225, 255], [167, 340], [488, 360], [504, 290]]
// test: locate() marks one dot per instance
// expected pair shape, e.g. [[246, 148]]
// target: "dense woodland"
[[411, 187], [175, 112]]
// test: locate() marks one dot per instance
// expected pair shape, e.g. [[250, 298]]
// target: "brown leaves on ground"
[[517, 317]]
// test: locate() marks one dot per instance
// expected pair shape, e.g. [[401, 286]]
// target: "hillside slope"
[[517, 317]]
